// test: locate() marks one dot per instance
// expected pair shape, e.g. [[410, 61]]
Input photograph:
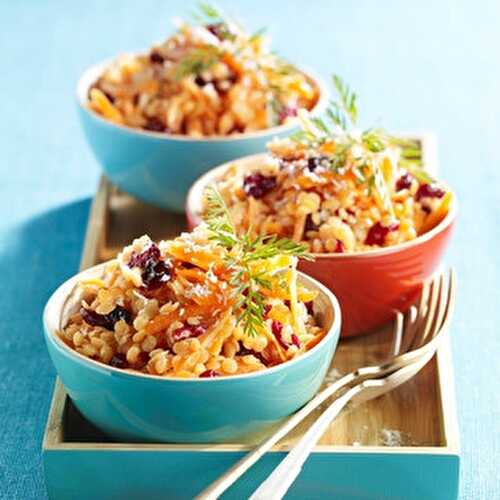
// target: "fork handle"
[[215, 489], [280, 480]]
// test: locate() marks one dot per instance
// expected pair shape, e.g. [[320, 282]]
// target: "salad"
[[209, 78], [209, 303], [336, 188]]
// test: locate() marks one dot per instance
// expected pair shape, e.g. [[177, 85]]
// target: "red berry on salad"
[[378, 233], [258, 185], [404, 182], [429, 191]]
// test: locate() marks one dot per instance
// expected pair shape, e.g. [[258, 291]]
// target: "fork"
[[414, 339], [440, 308]]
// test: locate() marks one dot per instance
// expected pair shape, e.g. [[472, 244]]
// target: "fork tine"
[[445, 303], [429, 315], [445, 306], [422, 314], [411, 328], [397, 334], [441, 308], [450, 301], [432, 324]]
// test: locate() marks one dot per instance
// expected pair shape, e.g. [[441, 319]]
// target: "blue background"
[[418, 65]]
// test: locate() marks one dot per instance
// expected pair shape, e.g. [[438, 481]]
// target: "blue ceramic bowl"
[[159, 168], [139, 407]]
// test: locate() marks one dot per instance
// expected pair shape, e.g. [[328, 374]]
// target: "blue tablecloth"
[[416, 65]]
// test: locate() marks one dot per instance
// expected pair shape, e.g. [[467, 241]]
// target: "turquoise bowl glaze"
[[140, 407], [159, 168]]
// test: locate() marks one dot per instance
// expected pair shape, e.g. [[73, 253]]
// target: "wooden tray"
[[396, 446]]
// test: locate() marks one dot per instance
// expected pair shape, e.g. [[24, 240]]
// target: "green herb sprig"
[[203, 58], [339, 125], [243, 250], [340, 122], [197, 61], [209, 14]]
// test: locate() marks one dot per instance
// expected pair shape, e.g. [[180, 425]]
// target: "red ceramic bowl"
[[371, 286]]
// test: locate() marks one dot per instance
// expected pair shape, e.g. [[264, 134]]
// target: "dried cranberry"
[[142, 361], [155, 272], [140, 259], [310, 225], [258, 185], [310, 308], [339, 247], [267, 309], [314, 162], [429, 191], [155, 125], [187, 332], [199, 330], [287, 112], [91, 317], [378, 233], [120, 313], [209, 374], [276, 329], [218, 29], [243, 351], [200, 81], [156, 58], [181, 334], [106, 320], [118, 361], [404, 182]]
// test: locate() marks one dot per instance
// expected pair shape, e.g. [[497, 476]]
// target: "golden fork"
[[416, 339]]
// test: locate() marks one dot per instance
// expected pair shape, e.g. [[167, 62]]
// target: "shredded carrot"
[[232, 63], [100, 103], [314, 341], [201, 259], [192, 274], [305, 182], [149, 87], [159, 323], [327, 147], [438, 215]]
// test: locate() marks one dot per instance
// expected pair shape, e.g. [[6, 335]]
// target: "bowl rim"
[[194, 198], [50, 329], [90, 75]]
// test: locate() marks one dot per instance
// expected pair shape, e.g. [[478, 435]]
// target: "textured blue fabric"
[[419, 65]]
